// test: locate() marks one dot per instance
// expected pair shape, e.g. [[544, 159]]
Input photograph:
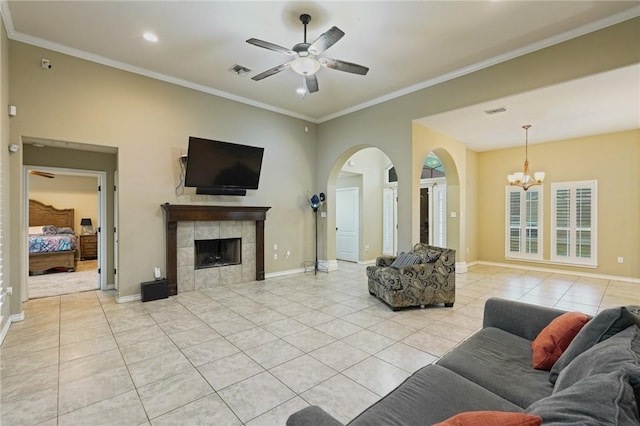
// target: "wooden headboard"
[[41, 214]]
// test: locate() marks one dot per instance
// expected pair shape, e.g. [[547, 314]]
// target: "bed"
[[52, 243]]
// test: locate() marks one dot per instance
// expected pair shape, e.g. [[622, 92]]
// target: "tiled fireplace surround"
[[190, 279], [187, 223]]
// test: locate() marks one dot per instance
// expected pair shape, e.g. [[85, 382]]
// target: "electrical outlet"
[[275, 247], [366, 248], [275, 256], [287, 254], [620, 259]]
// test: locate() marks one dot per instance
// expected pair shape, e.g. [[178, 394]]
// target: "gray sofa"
[[595, 381], [429, 281]]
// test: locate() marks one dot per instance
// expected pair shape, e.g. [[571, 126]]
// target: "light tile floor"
[[249, 353]]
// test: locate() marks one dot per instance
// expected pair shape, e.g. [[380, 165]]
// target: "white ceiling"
[[407, 46]]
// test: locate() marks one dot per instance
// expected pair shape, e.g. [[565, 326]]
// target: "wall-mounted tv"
[[222, 168]]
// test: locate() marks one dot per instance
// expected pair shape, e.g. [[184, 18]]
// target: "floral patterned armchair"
[[432, 280]]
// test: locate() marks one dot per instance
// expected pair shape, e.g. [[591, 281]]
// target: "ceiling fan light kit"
[[308, 62]]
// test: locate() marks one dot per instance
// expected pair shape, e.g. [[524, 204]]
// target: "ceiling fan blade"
[[270, 46], [42, 174], [339, 65], [272, 71], [326, 40], [311, 82]]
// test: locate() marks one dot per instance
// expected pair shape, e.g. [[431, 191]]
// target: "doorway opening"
[[360, 188], [90, 174], [433, 202], [64, 216]]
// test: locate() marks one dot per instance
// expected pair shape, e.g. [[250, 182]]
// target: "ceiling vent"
[[496, 110], [239, 70]]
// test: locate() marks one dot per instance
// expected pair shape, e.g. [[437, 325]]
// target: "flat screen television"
[[222, 168]]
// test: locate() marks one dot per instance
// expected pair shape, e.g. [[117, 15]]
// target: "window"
[[524, 223], [573, 222]]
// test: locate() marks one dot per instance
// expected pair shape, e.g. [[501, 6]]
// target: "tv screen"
[[217, 164]]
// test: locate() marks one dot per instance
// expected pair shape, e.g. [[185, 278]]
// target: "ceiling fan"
[[307, 59]]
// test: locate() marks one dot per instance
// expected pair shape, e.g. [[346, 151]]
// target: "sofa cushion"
[[432, 394], [312, 415], [492, 418], [427, 254], [601, 399], [606, 356], [405, 259], [500, 362], [601, 327], [552, 341]]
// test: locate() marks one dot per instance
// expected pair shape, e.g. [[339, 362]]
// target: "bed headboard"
[[41, 214]]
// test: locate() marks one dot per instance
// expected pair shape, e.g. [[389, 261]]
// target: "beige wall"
[[612, 159], [149, 123], [68, 192], [388, 125], [12, 304]]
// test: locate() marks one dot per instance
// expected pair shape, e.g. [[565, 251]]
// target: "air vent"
[[496, 110], [239, 70]]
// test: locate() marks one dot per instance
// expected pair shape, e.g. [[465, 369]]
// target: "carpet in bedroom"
[[62, 283]]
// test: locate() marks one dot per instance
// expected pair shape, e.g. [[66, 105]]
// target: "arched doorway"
[[356, 187]]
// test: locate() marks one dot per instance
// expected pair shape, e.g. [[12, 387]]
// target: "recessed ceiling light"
[[150, 37]]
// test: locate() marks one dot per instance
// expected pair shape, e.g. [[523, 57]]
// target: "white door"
[[347, 223], [389, 221]]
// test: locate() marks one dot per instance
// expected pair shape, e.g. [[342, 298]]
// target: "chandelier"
[[523, 179]]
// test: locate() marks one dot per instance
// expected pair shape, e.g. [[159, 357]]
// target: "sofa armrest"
[[522, 319], [312, 416]]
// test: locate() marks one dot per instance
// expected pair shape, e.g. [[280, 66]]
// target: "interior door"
[[347, 223], [389, 221]]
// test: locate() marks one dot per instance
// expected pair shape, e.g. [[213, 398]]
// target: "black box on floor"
[[154, 290]]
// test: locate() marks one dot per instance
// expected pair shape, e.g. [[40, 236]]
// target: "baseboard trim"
[[462, 267], [126, 299], [559, 271], [283, 273], [5, 330], [328, 265], [17, 317]]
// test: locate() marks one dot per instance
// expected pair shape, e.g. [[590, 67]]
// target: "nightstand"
[[88, 246]]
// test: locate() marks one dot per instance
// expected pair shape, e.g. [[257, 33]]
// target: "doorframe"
[[431, 183], [102, 216]]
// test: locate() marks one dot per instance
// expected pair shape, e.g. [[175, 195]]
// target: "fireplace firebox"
[[218, 252]]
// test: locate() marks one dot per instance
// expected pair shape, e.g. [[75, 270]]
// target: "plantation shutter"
[[574, 224], [524, 223]]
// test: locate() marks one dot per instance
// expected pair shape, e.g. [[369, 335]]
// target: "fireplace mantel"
[[192, 213]]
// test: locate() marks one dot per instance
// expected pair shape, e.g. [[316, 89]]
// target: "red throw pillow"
[[492, 418], [555, 338]]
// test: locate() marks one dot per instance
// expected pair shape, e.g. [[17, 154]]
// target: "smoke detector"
[[239, 70]]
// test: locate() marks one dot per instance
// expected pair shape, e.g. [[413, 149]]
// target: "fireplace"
[[217, 252], [185, 224]]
